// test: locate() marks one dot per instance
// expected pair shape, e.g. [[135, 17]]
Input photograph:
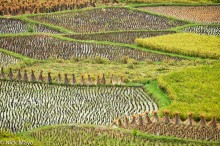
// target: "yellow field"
[[185, 43], [194, 90]]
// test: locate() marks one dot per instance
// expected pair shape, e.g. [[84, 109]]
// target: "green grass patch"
[[185, 43], [156, 93], [8, 138], [195, 90]]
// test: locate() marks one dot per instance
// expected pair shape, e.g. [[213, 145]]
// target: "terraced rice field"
[[30, 105], [6, 60], [207, 30], [43, 47], [14, 26], [108, 19], [75, 135], [126, 37], [96, 74], [201, 14], [78, 135]]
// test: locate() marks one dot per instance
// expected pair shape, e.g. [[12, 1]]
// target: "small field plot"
[[8, 25], [6, 60], [201, 14], [43, 47], [88, 135], [194, 90], [185, 43], [127, 37], [207, 30], [30, 105], [108, 19]]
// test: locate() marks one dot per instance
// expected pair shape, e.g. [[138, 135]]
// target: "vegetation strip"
[[157, 94], [77, 134]]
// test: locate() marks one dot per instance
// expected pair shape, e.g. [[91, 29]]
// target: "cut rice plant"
[[200, 14], [6, 60], [88, 135], [30, 105], [204, 29], [108, 19], [8, 25], [44, 47]]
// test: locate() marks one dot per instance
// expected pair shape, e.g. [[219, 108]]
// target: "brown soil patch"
[[202, 14]]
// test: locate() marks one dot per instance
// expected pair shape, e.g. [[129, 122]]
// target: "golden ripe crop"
[[18, 7], [185, 43], [194, 90]]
